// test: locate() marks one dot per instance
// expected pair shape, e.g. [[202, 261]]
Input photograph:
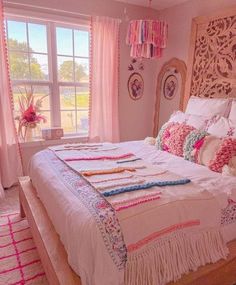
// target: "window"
[[51, 60]]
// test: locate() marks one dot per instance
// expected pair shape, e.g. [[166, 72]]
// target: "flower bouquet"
[[30, 116]]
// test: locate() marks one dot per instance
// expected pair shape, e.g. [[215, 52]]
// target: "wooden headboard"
[[211, 66]]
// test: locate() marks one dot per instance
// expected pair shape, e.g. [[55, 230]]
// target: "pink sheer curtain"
[[104, 121], [10, 162]]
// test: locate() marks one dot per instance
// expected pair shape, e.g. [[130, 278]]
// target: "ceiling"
[[155, 4]]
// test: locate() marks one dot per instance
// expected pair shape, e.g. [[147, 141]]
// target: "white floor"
[[10, 204]]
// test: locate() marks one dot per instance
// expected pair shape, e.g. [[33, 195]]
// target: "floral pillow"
[[223, 127]]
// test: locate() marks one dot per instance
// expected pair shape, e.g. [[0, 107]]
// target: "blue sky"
[[38, 40]]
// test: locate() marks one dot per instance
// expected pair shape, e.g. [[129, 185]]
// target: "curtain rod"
[[10, 4]]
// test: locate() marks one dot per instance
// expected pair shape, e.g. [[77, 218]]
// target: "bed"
[[80, 233]]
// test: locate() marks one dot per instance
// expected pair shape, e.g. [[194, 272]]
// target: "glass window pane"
[[19, 65], [81, 70], [37, 37], [18, 92], [68, 121], [17, 38], [82, 122], [42, 97], [47, 124], [64, 41], [81, 42], [67, 98], [65, 68], [82, 97], [39, 66]]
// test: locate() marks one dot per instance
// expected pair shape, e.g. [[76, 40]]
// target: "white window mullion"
[[55, 98]]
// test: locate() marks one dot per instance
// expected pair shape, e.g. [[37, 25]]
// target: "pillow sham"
[[206, 106], [223, 127], [232, 113], [198, 122]]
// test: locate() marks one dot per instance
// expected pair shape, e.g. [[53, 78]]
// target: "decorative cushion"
[[226, 151], [193, 144], [215, 153], [223, 127], [198, 122], [172, 136], [232, 113], [205, 107], [197, 145]]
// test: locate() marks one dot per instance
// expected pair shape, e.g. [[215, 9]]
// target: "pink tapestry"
[[10, 162], [104, 123]]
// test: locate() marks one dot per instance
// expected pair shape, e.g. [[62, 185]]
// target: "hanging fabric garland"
[[147, 38]]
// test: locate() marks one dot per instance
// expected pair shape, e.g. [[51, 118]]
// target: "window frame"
[[53, 82]]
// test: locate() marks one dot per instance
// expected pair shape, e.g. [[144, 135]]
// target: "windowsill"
[[63, 140]]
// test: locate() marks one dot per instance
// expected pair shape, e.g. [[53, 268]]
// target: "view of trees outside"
[[28, 64]]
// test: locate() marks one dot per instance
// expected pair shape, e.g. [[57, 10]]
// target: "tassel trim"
[[167, 259]]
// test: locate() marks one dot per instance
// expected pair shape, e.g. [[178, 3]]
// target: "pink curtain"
[[10, 161], [104, 121]]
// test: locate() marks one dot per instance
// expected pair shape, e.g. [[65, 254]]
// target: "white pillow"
[[198, 122], [206, 107], [223, 127], [232, 114]]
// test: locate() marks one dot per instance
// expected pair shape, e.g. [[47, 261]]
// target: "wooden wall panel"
[[212, 57]]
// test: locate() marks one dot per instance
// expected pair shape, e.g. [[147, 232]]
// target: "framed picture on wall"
[[135, 86], [170, 86]]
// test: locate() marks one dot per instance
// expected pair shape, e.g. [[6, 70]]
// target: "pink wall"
[[135, 117], [179, 19]]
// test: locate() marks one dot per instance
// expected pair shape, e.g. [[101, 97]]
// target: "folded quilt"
[[155, 224]]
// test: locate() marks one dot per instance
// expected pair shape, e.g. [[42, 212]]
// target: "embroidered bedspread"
[[155, 225]]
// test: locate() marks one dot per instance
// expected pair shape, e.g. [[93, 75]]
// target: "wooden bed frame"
[[54, 257]]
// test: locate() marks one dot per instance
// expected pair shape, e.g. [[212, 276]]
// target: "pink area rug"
[[19, 260]]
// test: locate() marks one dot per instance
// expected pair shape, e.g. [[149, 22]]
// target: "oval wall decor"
[[170, 86], [135, 86], [170, 81]]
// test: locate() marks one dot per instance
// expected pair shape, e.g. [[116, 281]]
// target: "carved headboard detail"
[[212, 57]]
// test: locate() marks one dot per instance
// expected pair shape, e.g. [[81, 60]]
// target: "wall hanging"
[[147, 38], [135, 65], [135, 86]]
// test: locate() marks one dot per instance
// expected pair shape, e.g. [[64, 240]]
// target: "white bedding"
[[70, 216]]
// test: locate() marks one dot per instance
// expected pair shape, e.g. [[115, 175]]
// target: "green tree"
[[19, 64], [66, 71]]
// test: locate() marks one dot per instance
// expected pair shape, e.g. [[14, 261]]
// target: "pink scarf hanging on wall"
[[10, 159], [147, 38]]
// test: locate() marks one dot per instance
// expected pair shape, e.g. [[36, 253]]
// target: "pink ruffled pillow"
[[173, 138], [226, 151]]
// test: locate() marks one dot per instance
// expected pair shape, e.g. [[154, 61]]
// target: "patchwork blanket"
[[156, 225]]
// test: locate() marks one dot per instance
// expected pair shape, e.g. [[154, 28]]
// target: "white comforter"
[[88, 257]]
